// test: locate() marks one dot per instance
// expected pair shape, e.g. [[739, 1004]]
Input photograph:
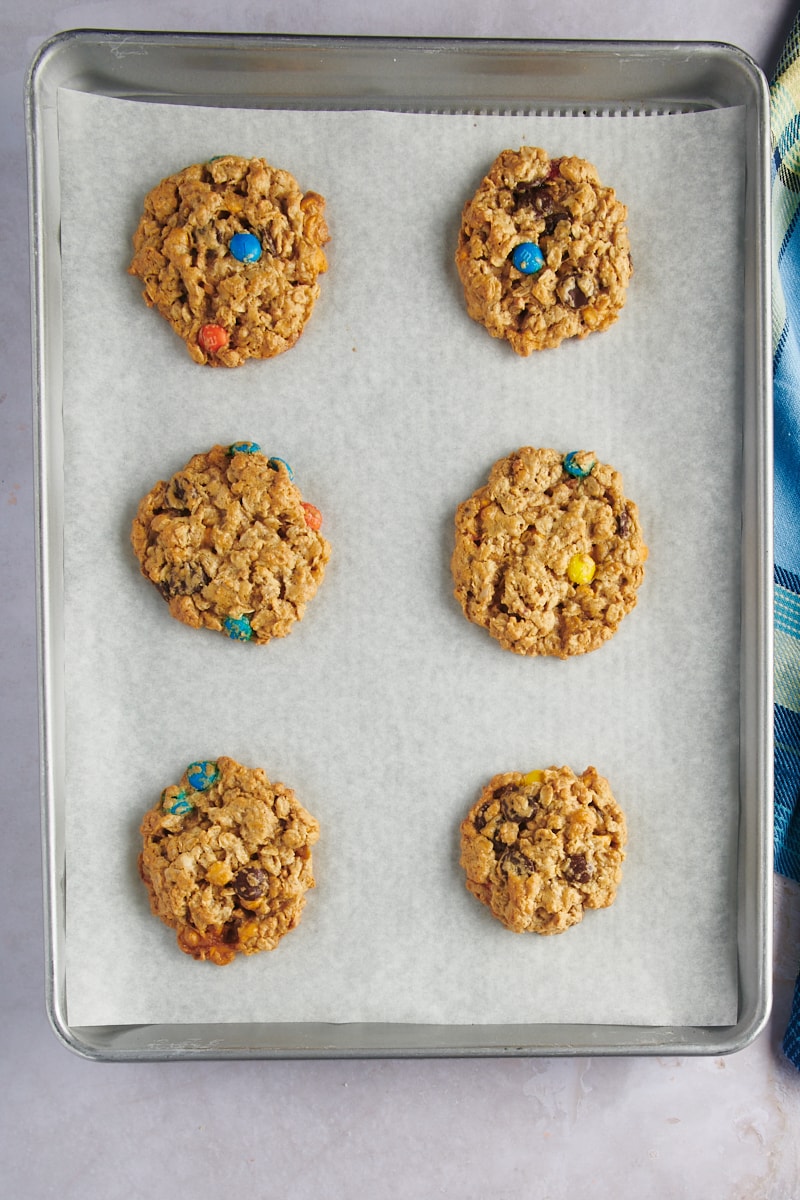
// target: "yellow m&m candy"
[[581, 568]]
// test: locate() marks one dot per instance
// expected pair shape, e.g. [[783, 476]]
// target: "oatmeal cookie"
[[229, 251], [543, 250], [231, 545], [539, 849], [226, 860], [549, 554]]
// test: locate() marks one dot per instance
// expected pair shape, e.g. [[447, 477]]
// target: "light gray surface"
[[671, 1128]]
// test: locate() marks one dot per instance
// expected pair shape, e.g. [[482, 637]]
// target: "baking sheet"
[[385, 709]]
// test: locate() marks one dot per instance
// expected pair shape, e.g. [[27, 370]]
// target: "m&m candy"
[[527, 258], [176, 803], [245, 247], [581, 568], [244, 448], [202, 775], [238, 628], [313, 515], [579, 464], [276, 462], [212, 338]]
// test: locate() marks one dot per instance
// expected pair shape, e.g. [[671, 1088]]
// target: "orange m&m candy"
[[313, 516], [212, 338]]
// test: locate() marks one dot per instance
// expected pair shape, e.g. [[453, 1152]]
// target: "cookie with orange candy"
[[231, 545], [229, 252], [226, 860]]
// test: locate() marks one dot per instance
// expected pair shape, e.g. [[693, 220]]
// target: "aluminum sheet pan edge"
[[278, 1041]]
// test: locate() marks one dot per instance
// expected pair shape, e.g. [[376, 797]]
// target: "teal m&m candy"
[[244, 448], [176, 803], [245, 247], [527, 258], [238, 628]]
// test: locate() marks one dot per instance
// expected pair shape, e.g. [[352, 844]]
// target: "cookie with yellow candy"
[[540, 849], [549, 554], [226, 860]]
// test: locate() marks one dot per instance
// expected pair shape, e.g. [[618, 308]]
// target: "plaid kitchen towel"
[[785, 121]]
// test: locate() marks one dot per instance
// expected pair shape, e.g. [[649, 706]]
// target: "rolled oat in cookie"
[[229, 252], [543, 251], [231, 545], [539, 849], [549, 554], [226, 860]]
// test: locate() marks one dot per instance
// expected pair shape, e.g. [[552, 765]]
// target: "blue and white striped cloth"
[[785, 121]]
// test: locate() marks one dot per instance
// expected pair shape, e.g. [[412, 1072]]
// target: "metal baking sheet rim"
[[614, 77]]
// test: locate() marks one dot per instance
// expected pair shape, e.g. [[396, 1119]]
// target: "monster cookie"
[[231, 545], [229, 251], [539, 849], [543, 250], [549, 553], [226, 860]]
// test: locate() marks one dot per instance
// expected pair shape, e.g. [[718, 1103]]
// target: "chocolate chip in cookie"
[[231, 545], [549, 554], [543, 251], [563, 858], [229, 252], [226, 860]]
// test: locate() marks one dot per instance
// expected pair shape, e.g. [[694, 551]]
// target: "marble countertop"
[[547, 1128]]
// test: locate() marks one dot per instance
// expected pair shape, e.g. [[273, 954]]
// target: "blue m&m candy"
[[202, 775], [245, 247], [527, 258], [238, 628], [274, 462], [578, 463], [244, 448]]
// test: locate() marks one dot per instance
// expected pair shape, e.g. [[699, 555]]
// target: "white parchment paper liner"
[[385, 709]]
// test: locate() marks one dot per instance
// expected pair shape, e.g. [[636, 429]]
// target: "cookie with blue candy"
[[229, 251], [549, 554], [543, 251], [231, 545], [226, 860]]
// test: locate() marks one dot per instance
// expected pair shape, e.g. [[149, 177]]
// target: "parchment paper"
[[385, 709]]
